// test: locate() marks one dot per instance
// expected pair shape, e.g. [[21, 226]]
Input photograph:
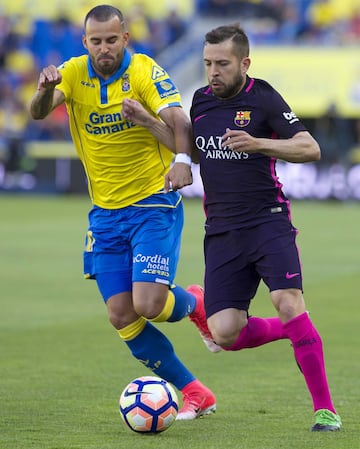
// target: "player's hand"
[[49, 78], [134, 111], [239, 141], [178, 177]]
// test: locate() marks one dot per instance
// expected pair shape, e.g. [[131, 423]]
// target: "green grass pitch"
[[63, 367]]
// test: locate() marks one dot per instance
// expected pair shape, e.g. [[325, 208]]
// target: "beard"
[[105, 65], [230, 90]]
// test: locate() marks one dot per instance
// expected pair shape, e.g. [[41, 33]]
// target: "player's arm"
[[46, 97], [132, 110], [174, 130], [135, 112], [302, 147], [180, 174]]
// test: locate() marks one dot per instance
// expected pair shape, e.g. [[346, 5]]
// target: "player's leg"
[[230, 283], [281, 271], [104, 253], [308, 350], [198, 317], [152, 274], [233, 330], [161, 302], [156, 248], [152, 348]]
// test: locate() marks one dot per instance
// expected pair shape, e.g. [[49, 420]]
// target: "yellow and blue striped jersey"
[[123, 162]]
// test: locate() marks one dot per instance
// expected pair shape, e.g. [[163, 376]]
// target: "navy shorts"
[[139, 243], [236, 261]]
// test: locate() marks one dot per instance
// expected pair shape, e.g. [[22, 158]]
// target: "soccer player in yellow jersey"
[[133, 239]]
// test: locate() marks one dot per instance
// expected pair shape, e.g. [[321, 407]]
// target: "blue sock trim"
[[155, 351], [185, 303]]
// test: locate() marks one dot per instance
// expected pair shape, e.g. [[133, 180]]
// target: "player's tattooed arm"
[[46, 97]]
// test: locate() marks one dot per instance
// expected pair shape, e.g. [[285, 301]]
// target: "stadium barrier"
[[56, 169]]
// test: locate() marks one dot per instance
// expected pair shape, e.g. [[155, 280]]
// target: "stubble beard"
[[105, 68], [232, 89]]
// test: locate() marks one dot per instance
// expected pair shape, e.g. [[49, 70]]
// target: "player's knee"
[[120, 311], [149, 308], [149, 299], [224, 340], [225, 332], [117, 320], [289, 303]]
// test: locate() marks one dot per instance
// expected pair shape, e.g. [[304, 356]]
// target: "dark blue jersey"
[[241, 189]]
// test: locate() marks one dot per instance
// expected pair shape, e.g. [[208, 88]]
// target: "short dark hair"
[[233, 32], [102, 13]]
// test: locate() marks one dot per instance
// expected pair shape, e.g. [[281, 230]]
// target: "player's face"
[[105, 42], [226, 71]]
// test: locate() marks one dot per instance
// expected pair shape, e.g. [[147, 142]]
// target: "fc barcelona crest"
[[242, 118]]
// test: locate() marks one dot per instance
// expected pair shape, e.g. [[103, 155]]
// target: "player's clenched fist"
[[49, 77]]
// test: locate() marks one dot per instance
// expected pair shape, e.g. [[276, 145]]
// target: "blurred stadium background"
[[308, 49]]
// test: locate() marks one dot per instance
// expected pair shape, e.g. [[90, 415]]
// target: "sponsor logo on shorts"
[[155, 264]]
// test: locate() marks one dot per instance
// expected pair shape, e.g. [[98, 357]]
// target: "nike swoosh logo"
[[199, 117], [132, 393], [291, 275]]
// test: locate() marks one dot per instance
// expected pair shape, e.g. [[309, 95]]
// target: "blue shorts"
[[236, 261], [138, 243]]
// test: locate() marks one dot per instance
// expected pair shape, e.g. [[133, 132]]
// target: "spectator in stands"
[[290, 24], [175, 25], [140, 30], [354, 26], [58, 37], [334, 135], [354, 153], [322, 19], [227, 8], [13, 123]]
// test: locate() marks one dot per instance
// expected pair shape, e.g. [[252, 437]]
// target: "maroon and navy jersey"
[[241, 189]]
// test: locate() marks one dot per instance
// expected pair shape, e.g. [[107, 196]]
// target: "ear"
[[126, 38], [84, 41], [246, 64]]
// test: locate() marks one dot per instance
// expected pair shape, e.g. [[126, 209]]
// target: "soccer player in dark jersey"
[[241, 126], [135, 223]]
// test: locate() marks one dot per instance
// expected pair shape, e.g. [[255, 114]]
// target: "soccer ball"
[[148, 404]]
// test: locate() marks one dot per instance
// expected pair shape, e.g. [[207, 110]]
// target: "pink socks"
[[307, 347], [258, 332], [308, 352]]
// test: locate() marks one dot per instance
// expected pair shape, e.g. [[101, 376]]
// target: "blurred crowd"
[[28, 42], [294, 22]]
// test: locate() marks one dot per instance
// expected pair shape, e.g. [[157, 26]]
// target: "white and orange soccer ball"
[[148, 404]]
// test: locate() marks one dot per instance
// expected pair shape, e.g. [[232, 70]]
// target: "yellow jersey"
[[123, 162]]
